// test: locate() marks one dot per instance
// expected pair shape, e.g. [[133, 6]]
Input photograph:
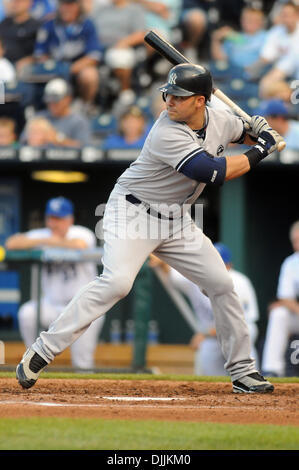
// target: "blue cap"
[[272, 108], [59, 207], [224, 252]]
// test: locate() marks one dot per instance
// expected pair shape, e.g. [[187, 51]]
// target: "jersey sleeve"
[[82, 233], [288, 64], [38, 233], [269, 50], [236, 128], [173, 144]]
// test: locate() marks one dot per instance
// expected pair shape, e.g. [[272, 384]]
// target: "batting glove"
[[267, 142], [257, 124]]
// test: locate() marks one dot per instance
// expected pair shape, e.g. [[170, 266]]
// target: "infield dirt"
[[148, 399]]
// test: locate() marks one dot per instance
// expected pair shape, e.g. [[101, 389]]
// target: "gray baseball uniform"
[[136, 224]]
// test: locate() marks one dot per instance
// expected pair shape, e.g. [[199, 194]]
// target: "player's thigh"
[[211, 358], [195, 257], [127, 240]]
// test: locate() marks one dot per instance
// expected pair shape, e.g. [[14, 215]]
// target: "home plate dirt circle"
[[148, 399]]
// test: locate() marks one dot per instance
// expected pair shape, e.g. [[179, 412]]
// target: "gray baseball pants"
[[130, 236]]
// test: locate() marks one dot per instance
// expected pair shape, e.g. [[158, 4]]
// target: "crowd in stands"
[[69, 67]]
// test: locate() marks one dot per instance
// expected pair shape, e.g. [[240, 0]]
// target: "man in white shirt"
[[60, 281], [284, 313], [209, 359], [280, 40]]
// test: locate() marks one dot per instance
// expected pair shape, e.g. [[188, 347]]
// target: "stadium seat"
[[222, 71], [45, 71], [103, 124]]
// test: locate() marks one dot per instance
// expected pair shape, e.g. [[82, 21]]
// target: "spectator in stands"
[[18, 31], [2, 10], [280, 90], [286, 69], [8, 137], [240, 48], [7, 70], [284, 312], [194, 23], [229, 11], [60, 281], [121, 27], [133, 130], [43, 9], [71, 37], [40, 132], [73, 130], [280, 40], [277, 114]]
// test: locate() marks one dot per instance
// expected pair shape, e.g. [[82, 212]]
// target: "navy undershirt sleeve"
[[204, 168]]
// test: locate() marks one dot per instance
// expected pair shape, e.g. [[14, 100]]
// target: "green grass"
[[99, 434], [119, 376]]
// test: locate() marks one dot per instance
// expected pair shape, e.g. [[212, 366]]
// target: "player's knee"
[[223, 286], [26, 313], [122, 284]]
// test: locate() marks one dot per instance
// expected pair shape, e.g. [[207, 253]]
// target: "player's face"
[[59, 225], [295, 240], [185, 109]]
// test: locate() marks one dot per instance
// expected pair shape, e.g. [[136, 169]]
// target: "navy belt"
[[134, 200]]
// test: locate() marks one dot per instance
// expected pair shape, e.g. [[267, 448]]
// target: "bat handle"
[[240, 112]]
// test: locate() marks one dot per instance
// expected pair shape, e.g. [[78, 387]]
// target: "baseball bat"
[[173, 56]]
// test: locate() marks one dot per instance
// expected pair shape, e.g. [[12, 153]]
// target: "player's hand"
[[267, 142], [257, 125], [196, 340]]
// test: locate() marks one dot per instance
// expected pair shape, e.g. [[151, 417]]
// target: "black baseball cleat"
[[28, 370], [252, 383]]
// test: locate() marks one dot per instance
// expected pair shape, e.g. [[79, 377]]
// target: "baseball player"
[[148, 212], [60, 281], [208, 356], [284, 313]]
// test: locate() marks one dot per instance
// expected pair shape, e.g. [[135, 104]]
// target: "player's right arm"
[[21, 241]]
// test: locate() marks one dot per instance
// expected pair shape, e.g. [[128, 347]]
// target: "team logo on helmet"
[[172, 79]]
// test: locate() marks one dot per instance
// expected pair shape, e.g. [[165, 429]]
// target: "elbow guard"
[[203, 167]]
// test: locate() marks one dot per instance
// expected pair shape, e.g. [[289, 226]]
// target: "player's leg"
[[282, 323], [193, 255], [83, 349], [27, 318], [125, 251], [211, 357]]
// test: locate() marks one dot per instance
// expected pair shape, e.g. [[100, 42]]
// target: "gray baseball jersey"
[[155, 178]]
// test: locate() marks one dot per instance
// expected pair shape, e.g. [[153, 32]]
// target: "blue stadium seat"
[[222, 71], [249, 105], [9, 298], [45, 71], [19, 92], [239, 89], [103, 125]]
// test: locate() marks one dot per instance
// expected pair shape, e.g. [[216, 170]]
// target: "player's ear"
[[200, 101]]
